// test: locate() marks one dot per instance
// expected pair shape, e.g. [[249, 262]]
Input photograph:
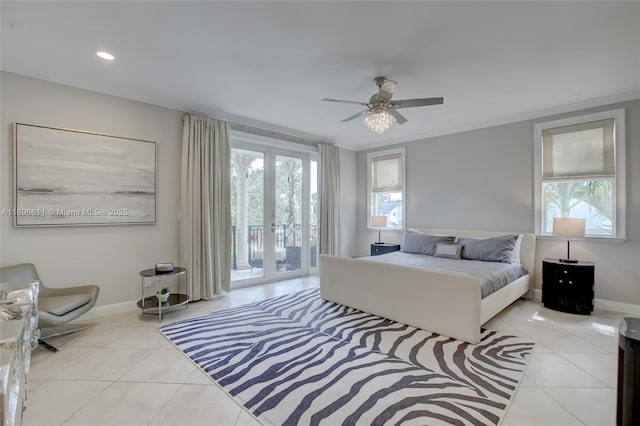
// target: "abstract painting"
[[69, 177]]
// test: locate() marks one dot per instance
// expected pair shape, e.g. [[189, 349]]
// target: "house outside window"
[[579, 173], [386, 180]]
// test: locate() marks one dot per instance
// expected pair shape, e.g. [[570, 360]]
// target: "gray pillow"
[[496, 249], [417, 242]]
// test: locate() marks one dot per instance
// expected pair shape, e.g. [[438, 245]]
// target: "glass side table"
[[13, 389], [152, 304], [19, 300]]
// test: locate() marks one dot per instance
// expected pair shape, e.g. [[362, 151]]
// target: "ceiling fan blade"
[[345, 102], [354, 116], [400, 119], [410, 103]]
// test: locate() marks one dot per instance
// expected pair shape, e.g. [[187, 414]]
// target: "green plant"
[[163, 290]]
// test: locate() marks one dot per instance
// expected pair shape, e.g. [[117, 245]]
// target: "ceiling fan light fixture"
[[382, 112], [389, 86], [379, 121]]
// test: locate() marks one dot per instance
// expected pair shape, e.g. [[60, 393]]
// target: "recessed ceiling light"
[[105, 55]]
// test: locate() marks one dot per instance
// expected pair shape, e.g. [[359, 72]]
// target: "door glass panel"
[[247, 214], [313, 214], [288, 214]]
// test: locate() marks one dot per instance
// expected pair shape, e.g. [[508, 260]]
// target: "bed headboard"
[[527, 247]]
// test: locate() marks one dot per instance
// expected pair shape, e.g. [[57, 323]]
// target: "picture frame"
[[68, 177]]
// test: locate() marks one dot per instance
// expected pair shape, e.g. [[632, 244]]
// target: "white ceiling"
[[268, 64]]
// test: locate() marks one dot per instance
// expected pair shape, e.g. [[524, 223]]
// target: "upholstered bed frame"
[[447, 303]]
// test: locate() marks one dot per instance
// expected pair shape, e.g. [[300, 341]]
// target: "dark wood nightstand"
[[568, 287], [383, 248]]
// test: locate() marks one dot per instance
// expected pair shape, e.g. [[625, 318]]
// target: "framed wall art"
[[70, 177]]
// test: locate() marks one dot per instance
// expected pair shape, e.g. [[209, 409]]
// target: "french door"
[[274, 214]]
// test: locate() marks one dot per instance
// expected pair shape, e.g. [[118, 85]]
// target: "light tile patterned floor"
[[122, 371]]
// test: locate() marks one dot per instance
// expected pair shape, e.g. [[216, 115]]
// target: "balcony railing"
[[255, 240]]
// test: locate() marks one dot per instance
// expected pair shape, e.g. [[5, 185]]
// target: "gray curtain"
[[329, 199], [205, 206]]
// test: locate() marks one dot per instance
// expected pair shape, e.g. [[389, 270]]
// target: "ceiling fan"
[[381, 112]]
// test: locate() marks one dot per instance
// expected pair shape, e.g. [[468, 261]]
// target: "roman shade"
[[387, 173], [578, 151]]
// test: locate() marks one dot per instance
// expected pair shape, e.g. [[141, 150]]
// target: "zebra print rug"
[[300, 360]]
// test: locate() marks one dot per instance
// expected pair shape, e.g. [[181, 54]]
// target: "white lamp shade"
[[378, 221], [568, 226]]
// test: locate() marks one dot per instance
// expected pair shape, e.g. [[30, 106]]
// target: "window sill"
[[586, 239], [386, 229]]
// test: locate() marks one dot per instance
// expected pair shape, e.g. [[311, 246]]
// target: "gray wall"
[[483, 179], [110, 256]]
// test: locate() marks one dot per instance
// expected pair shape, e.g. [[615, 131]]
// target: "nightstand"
[[568, 287], [377, 249]]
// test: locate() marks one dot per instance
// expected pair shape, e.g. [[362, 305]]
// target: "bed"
[[444, 302]]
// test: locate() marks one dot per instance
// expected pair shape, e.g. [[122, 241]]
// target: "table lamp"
[[568, 227], [379, 222]]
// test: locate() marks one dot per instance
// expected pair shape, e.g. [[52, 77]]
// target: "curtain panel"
[[329, 238], [205, 206]]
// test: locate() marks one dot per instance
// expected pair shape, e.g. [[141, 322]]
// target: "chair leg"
[[48, 346], [58, 331]]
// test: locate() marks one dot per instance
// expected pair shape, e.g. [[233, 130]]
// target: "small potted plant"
[[163, 294]]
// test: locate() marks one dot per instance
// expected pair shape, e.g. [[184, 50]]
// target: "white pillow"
[[451, 251], [515, 254]]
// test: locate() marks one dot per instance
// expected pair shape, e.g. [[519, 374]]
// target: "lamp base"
[[568, 260], [378, 243]]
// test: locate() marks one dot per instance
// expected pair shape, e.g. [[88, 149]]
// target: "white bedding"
[[492, 275]]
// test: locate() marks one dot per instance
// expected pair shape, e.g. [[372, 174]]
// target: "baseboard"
[[106, 310], [537, 295], [604, 305], [625, 308], [122, 307]]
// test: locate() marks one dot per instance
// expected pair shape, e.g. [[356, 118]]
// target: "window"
[[579, 172], [385, 180]]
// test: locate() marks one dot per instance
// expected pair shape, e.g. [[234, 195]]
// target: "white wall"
[[110, 256], [483, 179], [348, 203]]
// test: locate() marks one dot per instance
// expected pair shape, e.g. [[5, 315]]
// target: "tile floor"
[[122, 371]]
